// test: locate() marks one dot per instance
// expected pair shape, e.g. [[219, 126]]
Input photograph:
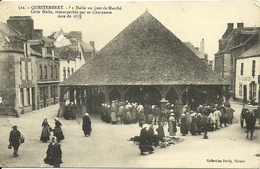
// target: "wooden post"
[[164, 90], [77, 97], [180, 90], [122, 92], [107, 92], [62, 102]]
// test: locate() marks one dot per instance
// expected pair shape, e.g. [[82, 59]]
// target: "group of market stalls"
[[143, 62]]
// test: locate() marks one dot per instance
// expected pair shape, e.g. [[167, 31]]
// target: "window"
[[55, 72], [45, 72], [23, 70], [72, 71], [56, 91], [21, 97], [28, 96], [52, 91], [29, 70], [240, 89], [64, 73], [41, 75], [46, 92], [41, 93], [253, 68], [242, 69], [68, 71], [51, 71], [252, 92]]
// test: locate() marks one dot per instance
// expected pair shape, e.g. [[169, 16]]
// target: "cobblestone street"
[[108, 146]]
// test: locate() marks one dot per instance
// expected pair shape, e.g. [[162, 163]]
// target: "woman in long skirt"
[[57, 132], [45, 136], [172, 125]]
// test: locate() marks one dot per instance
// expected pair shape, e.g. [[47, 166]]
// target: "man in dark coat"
[[14, 140], [224, 117], [205, 124], [145, 140], [54, 153], [86, 125]]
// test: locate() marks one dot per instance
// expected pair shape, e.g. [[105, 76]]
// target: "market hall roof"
[[144, 53]]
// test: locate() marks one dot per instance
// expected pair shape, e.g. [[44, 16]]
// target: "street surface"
[[108, 146]]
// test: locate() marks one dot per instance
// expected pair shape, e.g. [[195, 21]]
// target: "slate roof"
[[144, 53], [66, 52], [10, 38], [192, 48], [251, 52]]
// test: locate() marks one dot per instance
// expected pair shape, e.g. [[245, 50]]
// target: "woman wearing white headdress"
[[45, 135], [57, 132], [172, 125], [86, 125], [54, 153], [145, 140]]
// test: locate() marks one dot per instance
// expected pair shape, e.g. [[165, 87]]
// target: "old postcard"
[[140, 84]]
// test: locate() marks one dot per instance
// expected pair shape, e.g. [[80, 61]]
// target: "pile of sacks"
[[167, 141]]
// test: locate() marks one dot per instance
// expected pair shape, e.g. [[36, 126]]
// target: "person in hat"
[[54, 153], [193, 126], [14, 140], [45, 135], [183, 127], [57, 132], [86, 125], [145, 140], [172, 125], [205, 124]]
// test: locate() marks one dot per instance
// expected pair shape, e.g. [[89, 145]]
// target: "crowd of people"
[[188, 119]]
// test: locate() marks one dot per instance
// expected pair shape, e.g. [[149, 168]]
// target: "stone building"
[[234, 42], [31, 76], [248, 75]]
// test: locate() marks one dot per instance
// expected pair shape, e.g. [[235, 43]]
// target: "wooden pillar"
[[107, 92], [163, 90], [122, 92], [77, 96], [62, 101], [180, 90], [71, 94], [227, 95], [82, 101]]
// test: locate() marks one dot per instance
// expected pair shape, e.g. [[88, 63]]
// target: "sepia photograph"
[[130, 84]]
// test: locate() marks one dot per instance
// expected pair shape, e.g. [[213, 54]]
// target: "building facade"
[[233, 44], [29, 69], [248, 75]]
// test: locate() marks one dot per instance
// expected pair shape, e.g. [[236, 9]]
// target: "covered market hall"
[[144, 63]]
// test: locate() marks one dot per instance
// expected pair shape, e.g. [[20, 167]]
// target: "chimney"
[[23, 24], [202, 49], [230, 25], [240, 25], [38, 33], [92, 43]]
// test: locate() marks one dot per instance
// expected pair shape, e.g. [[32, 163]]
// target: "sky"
[[190, 21]]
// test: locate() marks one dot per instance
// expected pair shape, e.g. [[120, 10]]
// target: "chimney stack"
[[202, 49], [92, 43], [230, 25], [38, 33], [23, 24], [240, 25]]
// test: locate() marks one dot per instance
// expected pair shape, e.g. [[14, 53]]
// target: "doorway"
[[245, 94]]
